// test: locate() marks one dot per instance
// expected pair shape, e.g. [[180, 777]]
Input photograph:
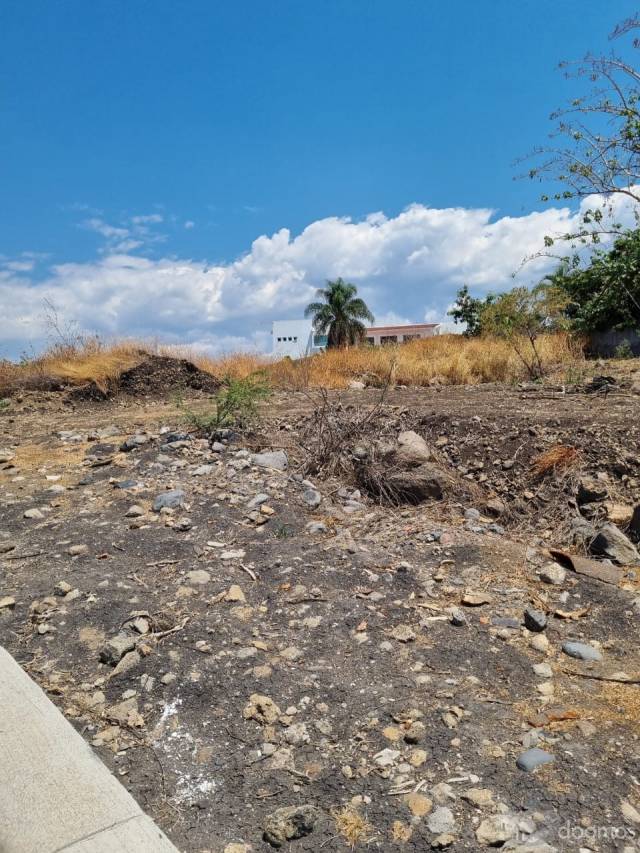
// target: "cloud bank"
[[407, 267]]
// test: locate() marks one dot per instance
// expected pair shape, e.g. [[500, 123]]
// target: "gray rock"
[[495, 830], [534, 620], [34, 513], [553, 573], [591, 490], [258, 500], [271, 459], [316, 527], [581, 651], [134, 511], [543, 670], [611, 542], [312, 498], [290, 822], [203, 470], [116, 648], [133, 443], [441, 820], [412, 449], [417, 484], [457, 617], [198, 577], [356, 385], [172, 499], [533, 758]]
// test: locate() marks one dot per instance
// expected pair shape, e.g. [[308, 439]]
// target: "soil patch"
[[156, 377]]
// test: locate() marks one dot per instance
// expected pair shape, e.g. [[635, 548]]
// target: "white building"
[[296, 338]]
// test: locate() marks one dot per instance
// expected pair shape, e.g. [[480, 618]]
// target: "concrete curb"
[[55, 793]]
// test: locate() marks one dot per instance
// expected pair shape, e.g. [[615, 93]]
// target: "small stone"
[[553, 573], [441, 821], [457, 617], [8, 602], [312, 498], [171, 499], [476, 599], [629, 812], [496, 830], [234, 593], [403, 633], [198, 577], [168, 678], [261, 708], [539, 642], [275, 459], [286, 824], [116, 648], [34, 513], [134, 511], [78, 550], [417, 757], [534, 620], [581, 651], [297, 734], [386, 757], [481, 797], [418, 804], [543, 670], [533, 758]]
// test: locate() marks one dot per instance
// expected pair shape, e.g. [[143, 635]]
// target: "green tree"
[[339, 314], [521, 315], [606, 293], [468, 309]]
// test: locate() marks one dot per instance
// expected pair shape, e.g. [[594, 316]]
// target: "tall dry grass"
[[446, 359]]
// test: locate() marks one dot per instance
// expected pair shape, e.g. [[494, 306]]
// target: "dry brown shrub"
[[560, 457]]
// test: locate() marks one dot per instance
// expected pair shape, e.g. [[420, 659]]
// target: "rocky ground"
[[267, 660]]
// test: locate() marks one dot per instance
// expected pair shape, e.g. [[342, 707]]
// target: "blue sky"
[[174, 135]]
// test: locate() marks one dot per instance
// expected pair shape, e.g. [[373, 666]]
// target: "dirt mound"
[[156, 377]]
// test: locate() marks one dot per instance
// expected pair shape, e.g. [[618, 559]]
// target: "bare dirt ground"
[[249, 651]]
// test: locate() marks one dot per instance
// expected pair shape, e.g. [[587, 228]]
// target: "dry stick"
[[158, 635], [249, 571], [602, 677], [22, 556]]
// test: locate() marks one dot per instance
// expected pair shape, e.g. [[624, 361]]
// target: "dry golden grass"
[[445, 360], [353, 827]]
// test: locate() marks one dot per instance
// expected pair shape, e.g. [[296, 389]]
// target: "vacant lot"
[[271, 642]]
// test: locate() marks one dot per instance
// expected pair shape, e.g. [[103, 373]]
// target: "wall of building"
[[381, 335], [295, 339]]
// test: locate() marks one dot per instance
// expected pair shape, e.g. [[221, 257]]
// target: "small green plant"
[[623, 350], [574, 376], [282, 531], [5, 404], [235, 405]]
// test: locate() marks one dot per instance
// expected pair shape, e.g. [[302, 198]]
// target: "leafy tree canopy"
[[605, 294]]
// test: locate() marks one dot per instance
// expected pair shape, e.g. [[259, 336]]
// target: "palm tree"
[[340, 313]]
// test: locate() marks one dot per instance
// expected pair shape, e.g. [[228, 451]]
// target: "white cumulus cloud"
[[406, 266]]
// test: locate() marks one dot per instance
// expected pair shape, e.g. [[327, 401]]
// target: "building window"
[[371, 341], [389, 339], [410, 337], [279, 340], [320, 340], [295, 339]]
